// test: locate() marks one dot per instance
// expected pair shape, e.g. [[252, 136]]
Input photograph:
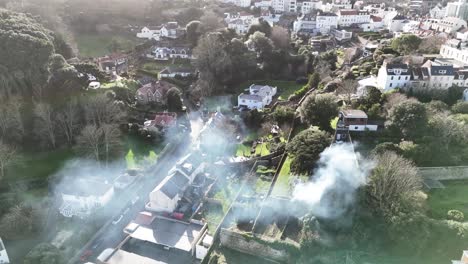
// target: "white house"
[[150, 33], [259, 96], [3, 254], [458, 9], [349, 17], [166, 53], [171, 72], [341, 34], [306, 7], [438, 12], [395, 22], [465, 95], [341, 4], [461, 80], [264, 4], [240, 3], [449, 25], [455, 49], [393, 76], [241, 25], [306, 24], [326, 21], [81, 197], [172, 30], [355, 120], [166, 195], [462, 34]]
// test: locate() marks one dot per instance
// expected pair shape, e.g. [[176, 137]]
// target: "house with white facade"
[[461, 79], [264, 4], [259, 96], [174, 52], [3, 254], [355, 120], [395, 22], [242, 24], [81, 197], [458, 9], [438, 12], [465, 95], [171, 72], [449, 25], [306, 7], [165, 197], [348, 17], [150, 33], [393, 76], [305, 25], [240, 3], [326, 21], [462, 34], [455, 49], [341, 34]]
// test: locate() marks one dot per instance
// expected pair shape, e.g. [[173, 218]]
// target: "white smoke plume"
[[332, 191]]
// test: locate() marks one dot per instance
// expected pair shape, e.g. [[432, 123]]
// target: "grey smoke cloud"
[[332, 191]]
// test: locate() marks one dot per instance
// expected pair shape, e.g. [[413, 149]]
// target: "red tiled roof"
[[165, 119], [348, 12], [376, 19], [161, 86]]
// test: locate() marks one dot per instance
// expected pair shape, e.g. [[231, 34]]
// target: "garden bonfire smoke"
[[332, 191]]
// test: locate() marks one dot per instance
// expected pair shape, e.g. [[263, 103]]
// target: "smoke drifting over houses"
[[332, 191]]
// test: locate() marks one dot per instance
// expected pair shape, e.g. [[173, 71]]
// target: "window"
[[399, 77], [391, 84], [391, 78], [356, 127], [406, 78]]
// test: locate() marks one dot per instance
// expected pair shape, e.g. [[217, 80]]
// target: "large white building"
[[305, 25], [81, 197], [259, 96], [438, 12], [240, 3], [349, 17], [306, 7], [449, 25], [393, 76], [326, 22], [458, 9], [455, 49]]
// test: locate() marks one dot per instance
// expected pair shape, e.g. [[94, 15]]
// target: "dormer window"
[[397, 71], [462, 77], [442, 71]]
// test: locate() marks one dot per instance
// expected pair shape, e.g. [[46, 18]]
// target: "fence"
[[444, 173]]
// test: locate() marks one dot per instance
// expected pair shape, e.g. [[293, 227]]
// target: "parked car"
[[117, 219], [86, 254]]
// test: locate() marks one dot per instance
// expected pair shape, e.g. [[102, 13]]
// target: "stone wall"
[[444, 173], [236, 241]]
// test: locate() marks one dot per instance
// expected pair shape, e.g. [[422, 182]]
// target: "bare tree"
[[210, 21], [11, 122], [110, 139], [349, 54], [45, 123], [323, 69], [8, 156], [393, 184], [393, 100], [347, 88], [67, 120], [280, 37], [89, 141], [100, 110]]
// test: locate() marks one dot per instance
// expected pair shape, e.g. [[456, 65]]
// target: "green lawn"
[[282, 183], [38, 165], [453, 196], [242, 150], [155, 67], [262, 149], [333, 122], [97, 44]]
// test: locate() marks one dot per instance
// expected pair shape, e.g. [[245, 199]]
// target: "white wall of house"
[[147, 33], [465, 95], [448, 51], [326, 23], [362, 127], [159, 202], [389, 82], [347, 20], [249, 103]]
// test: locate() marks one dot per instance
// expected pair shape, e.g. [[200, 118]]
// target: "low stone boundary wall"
[[444, 173]]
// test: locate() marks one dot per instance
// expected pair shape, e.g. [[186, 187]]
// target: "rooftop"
[[173, 234], [354, 113]]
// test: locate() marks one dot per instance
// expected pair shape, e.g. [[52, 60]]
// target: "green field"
[[453, 196], [97, 44], [282, 183]]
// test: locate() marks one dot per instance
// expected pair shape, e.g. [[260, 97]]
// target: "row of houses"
[[169, 30]]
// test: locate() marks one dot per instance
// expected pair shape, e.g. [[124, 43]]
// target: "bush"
[[283, 114], [455, 215], [460, 108]]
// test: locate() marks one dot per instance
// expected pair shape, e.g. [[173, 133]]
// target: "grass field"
[[282, 183], [242, 150], [453, 196], [97, 44]]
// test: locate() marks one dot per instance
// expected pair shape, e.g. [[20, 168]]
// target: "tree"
[[194, 31], [44, 253], [393, 185], [262, 26], [111, 143], [189, 14], [455, 215], [283, 114], [210, 21], [372, 96], [89, 141], [11, 123], [8, 156], [408, 118], [431, 44], [319, 109], [460, 108], [174, 101], [45, 125], [262, 45], [406, 44], [21, 220], [99, 109], [347, 88], [68, 119], [305, 149], [314, 81], [280, 37]]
